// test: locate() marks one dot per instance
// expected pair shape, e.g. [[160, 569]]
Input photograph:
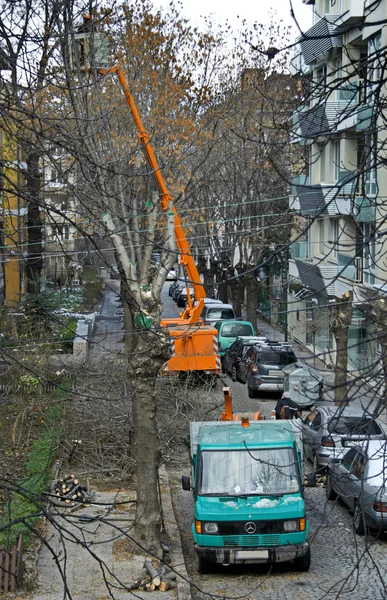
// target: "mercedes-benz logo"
[[250, 527]]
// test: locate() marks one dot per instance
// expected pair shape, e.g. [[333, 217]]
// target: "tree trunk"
[[34, 225], [150, 354], [378, 312], [341, 317], [251, 285]]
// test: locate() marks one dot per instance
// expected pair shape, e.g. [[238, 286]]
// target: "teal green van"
[[248, 494], [228, 331]]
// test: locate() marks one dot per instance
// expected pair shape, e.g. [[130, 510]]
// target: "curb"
[[183, 586]]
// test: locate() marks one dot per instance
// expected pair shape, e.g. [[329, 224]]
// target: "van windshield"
[[271, 471], [234, 330]]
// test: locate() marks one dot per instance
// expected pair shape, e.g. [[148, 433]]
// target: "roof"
[[347, 411], [250, 340], [275, 434]]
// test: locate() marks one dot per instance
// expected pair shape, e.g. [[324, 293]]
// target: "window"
[[322, 161], [336, 160], [256, 472], [316, 423], [321, 75], [368, 231], [349, 458], [336, 237], [375, 62], [321, 236]]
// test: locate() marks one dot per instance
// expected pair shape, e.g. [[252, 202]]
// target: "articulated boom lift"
[[195, 345]]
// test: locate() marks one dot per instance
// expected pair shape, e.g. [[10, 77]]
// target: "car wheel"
[[302, 563], [251, 393], [330, 492], [358, 520], [234, 373], [203, 566], [224, 370]]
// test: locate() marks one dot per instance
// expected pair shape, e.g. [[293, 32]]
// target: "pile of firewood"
[[152, 578], [69, 491]]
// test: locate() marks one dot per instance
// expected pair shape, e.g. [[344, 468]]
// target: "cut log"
[[151, 569], [168, 584]]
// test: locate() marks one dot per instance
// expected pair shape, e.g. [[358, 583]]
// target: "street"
[[344, 565]]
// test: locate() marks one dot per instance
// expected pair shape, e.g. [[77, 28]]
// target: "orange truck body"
[[194, 345]]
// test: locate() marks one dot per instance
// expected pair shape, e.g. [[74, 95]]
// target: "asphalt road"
[[344, 565]]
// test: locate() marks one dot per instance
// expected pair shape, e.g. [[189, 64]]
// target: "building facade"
[[339, 190]]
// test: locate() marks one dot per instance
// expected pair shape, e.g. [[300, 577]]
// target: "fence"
[[11, 567]]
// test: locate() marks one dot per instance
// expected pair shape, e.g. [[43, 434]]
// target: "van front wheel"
[[302, 563], [203, 566]]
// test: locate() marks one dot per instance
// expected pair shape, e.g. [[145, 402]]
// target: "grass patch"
[[22, 510], [67, 335]]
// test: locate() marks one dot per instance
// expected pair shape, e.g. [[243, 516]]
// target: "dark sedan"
[[235, 353]]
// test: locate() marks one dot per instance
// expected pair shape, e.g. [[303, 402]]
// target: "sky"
[[252, 10]]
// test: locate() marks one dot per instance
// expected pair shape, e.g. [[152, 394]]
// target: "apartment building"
[[339, 192], [61, 218]]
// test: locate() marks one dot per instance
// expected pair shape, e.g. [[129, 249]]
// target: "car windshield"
[[256, 472], [219, 313], [376, 471], [235, 329], [345, 425], [276, 358]]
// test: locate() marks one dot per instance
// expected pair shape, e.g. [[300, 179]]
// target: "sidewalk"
[[84, 549]]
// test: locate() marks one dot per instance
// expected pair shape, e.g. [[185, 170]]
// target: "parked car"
[[217, 312], [172, 275], [228, 331], [328, 429], [236, 352], [209, 301], [173, 286], [262, 366], [182, 297], [180, 286], [359, 477]]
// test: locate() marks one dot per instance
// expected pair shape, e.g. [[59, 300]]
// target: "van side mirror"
[[185, 483]]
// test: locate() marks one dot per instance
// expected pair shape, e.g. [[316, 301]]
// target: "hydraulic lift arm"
[[192, 313]]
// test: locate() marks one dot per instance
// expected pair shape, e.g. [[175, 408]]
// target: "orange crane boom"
[[195, 345]]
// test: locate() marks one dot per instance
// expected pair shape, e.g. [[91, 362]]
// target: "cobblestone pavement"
[[344, 565]]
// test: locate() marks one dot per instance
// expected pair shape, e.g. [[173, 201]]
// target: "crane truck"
[[248, 491], [194, 344]]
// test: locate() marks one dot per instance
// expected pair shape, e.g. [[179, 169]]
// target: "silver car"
[[328, 430], [360, 479]]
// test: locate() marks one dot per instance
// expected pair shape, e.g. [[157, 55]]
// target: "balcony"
[[320, 38], [351, 13], [364, 209]]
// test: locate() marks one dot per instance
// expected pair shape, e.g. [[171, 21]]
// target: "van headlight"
[[210, 528], [291, 525]]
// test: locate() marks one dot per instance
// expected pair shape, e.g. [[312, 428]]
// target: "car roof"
[[250, 339], [346, 411], [221, 305], [233, 322]]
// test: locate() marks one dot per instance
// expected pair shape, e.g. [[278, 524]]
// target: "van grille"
[[261, 527], [250, 540]]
